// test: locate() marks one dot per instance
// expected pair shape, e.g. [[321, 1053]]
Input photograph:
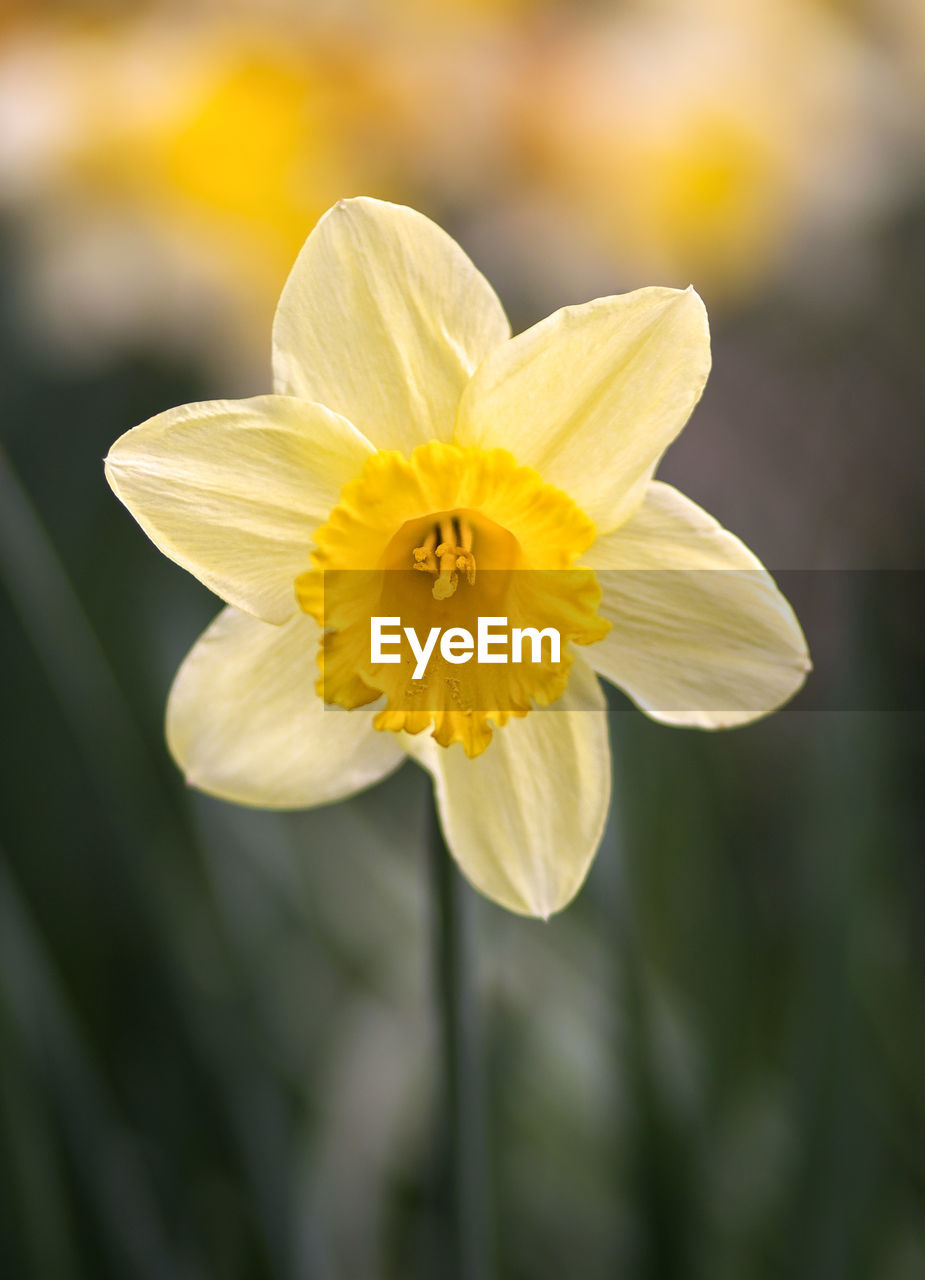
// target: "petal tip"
[[693, 298]]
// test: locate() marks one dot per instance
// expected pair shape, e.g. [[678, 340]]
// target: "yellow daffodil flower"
[[662, 130], [412, 439]]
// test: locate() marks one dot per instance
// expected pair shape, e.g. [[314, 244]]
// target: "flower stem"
[[462, 1181]]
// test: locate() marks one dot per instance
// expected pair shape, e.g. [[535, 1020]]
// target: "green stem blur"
[[464, 1251]]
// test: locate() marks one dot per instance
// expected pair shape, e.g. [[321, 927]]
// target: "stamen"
[[466, 560], [447, 558], [424, 558]]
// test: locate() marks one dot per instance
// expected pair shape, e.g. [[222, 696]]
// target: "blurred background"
[[218, 1036]]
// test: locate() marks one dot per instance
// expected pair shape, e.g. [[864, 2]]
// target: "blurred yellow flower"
[[700, 139], [410, 437], [167, 166], [249, 136], [198, 151]]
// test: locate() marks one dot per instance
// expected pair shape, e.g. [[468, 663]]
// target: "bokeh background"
[[218, 1034]]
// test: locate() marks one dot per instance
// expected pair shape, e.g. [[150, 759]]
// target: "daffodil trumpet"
[[417, 462]]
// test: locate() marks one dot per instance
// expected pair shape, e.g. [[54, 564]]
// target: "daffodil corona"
[[420, 467]]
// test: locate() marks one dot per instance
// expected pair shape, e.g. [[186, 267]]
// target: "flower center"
[[446, 552], [444, 539]]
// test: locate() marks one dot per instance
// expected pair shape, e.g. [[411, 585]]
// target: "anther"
[[424, 558]]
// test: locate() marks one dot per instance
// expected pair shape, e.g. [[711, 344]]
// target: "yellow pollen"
[[447, 558]]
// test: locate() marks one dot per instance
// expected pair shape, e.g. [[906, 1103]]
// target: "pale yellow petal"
[[593, 395], [700, 634], [244, 721], [233, 490], [525, 818], [384, 319]]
